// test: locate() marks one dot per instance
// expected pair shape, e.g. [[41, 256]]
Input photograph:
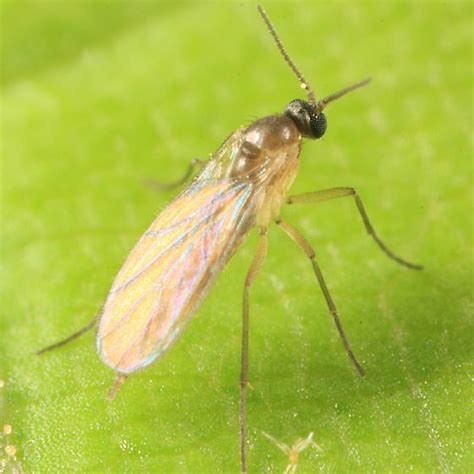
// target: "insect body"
[[173, 265], [175, 262]]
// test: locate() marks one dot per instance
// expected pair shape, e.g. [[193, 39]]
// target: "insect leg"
[[297, 237], [333, 193], [77, 334], [159, 186], [255, 267], [119, 380]]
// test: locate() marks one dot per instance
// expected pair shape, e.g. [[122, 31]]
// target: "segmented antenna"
[[286, 57], [320, 104], [323, 102]]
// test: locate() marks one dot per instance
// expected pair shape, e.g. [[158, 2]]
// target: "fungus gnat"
[[172, 267]]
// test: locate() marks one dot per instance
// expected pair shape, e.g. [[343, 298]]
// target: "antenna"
[[323, 102], [286, 57], [317, 105]]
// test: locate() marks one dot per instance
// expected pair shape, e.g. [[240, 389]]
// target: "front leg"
[[333, 193], [194, 164]]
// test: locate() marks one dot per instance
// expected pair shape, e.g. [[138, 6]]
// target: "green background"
[[98, 96]]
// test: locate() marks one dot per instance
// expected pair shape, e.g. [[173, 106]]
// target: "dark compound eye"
[[318, 124], [309, 123]]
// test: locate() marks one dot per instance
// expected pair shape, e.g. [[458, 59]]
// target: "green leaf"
[[98, 96]]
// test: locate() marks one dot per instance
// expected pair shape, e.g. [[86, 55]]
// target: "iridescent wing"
[[172, 266]]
